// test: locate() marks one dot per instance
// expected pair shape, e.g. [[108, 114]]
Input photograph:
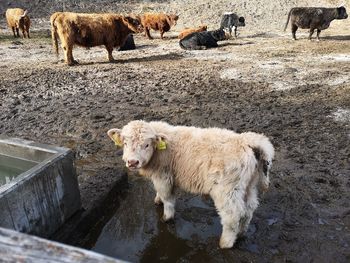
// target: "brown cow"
[[188, 31], [158, 21], [17, 19], [90, 30]]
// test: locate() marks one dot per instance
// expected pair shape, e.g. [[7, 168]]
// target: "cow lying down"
[[203, 40], [232, 168]]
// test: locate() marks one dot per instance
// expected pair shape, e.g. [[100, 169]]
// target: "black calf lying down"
[[129, 44], [202, 40]]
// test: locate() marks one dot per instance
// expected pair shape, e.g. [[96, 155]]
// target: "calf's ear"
[[115, 136]]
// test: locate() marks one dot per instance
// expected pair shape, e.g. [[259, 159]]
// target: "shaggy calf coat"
[[202, 40], [189, 31], [17, 19], [90, 30], [158, 21], [318, 18], [229, 167]]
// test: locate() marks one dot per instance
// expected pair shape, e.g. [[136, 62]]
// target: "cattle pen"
[[297, 93]]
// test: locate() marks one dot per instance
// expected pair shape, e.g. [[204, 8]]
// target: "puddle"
[[136, 233]]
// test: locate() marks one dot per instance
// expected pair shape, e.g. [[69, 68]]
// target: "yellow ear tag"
[[117, 141], [161, 145]]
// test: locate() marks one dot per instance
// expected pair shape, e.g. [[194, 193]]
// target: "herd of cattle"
[[112, 30]]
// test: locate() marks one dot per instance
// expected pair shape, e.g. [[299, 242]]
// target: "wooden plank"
[[19, 247]]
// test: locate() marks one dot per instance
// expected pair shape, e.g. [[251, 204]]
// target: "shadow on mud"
[[339, 37]]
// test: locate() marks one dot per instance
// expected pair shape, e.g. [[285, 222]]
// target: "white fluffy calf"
[[228, 166]]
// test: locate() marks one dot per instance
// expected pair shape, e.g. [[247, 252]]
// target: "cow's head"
[[22, 19], [342, 13], [139, 141], [241, 21], [133, 23], [172, 18]]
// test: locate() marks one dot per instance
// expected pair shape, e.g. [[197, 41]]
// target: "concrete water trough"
[[38, 186]]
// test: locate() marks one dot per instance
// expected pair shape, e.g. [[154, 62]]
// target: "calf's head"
[[342, 13], [139, 141], [241, 21], [172, 19]]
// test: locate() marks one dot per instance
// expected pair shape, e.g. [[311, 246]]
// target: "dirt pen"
[[295, 92]]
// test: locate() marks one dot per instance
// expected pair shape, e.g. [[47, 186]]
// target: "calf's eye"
[[146, 146]]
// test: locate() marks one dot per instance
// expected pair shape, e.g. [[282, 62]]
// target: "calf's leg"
[[165, 194], [231, 208], [294, 30], [318, 34], [311, 33]]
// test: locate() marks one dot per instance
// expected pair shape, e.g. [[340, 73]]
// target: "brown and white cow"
[[229, 167], [18, 19], [90, 30], [188, 31], [158, 21]]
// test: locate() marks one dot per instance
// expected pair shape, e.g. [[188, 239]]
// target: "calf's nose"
[[133, 163]]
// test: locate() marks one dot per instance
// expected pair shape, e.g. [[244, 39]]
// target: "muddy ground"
[[295, 92]]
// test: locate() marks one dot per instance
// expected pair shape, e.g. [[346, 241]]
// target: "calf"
[[89, 30], [230, 20], [203, 40], [188, 31], [129, 44], [158, 21], [17, 19], [232, 168], [314, 18]]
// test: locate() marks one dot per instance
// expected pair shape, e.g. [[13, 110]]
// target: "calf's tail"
[[290, 12], [264, 153], [54, 35]]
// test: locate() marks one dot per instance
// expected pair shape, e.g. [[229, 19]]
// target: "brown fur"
[[17, 19], [158, 21], [188, 31], [90, 30]]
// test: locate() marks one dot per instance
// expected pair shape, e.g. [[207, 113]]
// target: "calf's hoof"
[[158, 201], [165, 219], [226, 243]]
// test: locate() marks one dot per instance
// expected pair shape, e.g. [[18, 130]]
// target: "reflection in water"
[[135, 233], [11, 167]]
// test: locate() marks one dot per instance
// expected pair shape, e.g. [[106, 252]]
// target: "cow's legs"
[[318, 34], [235, 32], [161, 34], [23, 32], [110, 55], [17, 32], [164, 190], [231, 209], [68, 55], [311, 33], [147, 34], [294, 30]]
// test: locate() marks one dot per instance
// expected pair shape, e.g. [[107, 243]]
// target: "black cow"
[[314, 18], [129, 44], [202, 40], [230, 20]]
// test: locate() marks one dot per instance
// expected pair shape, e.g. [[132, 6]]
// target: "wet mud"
[[296, 93]]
